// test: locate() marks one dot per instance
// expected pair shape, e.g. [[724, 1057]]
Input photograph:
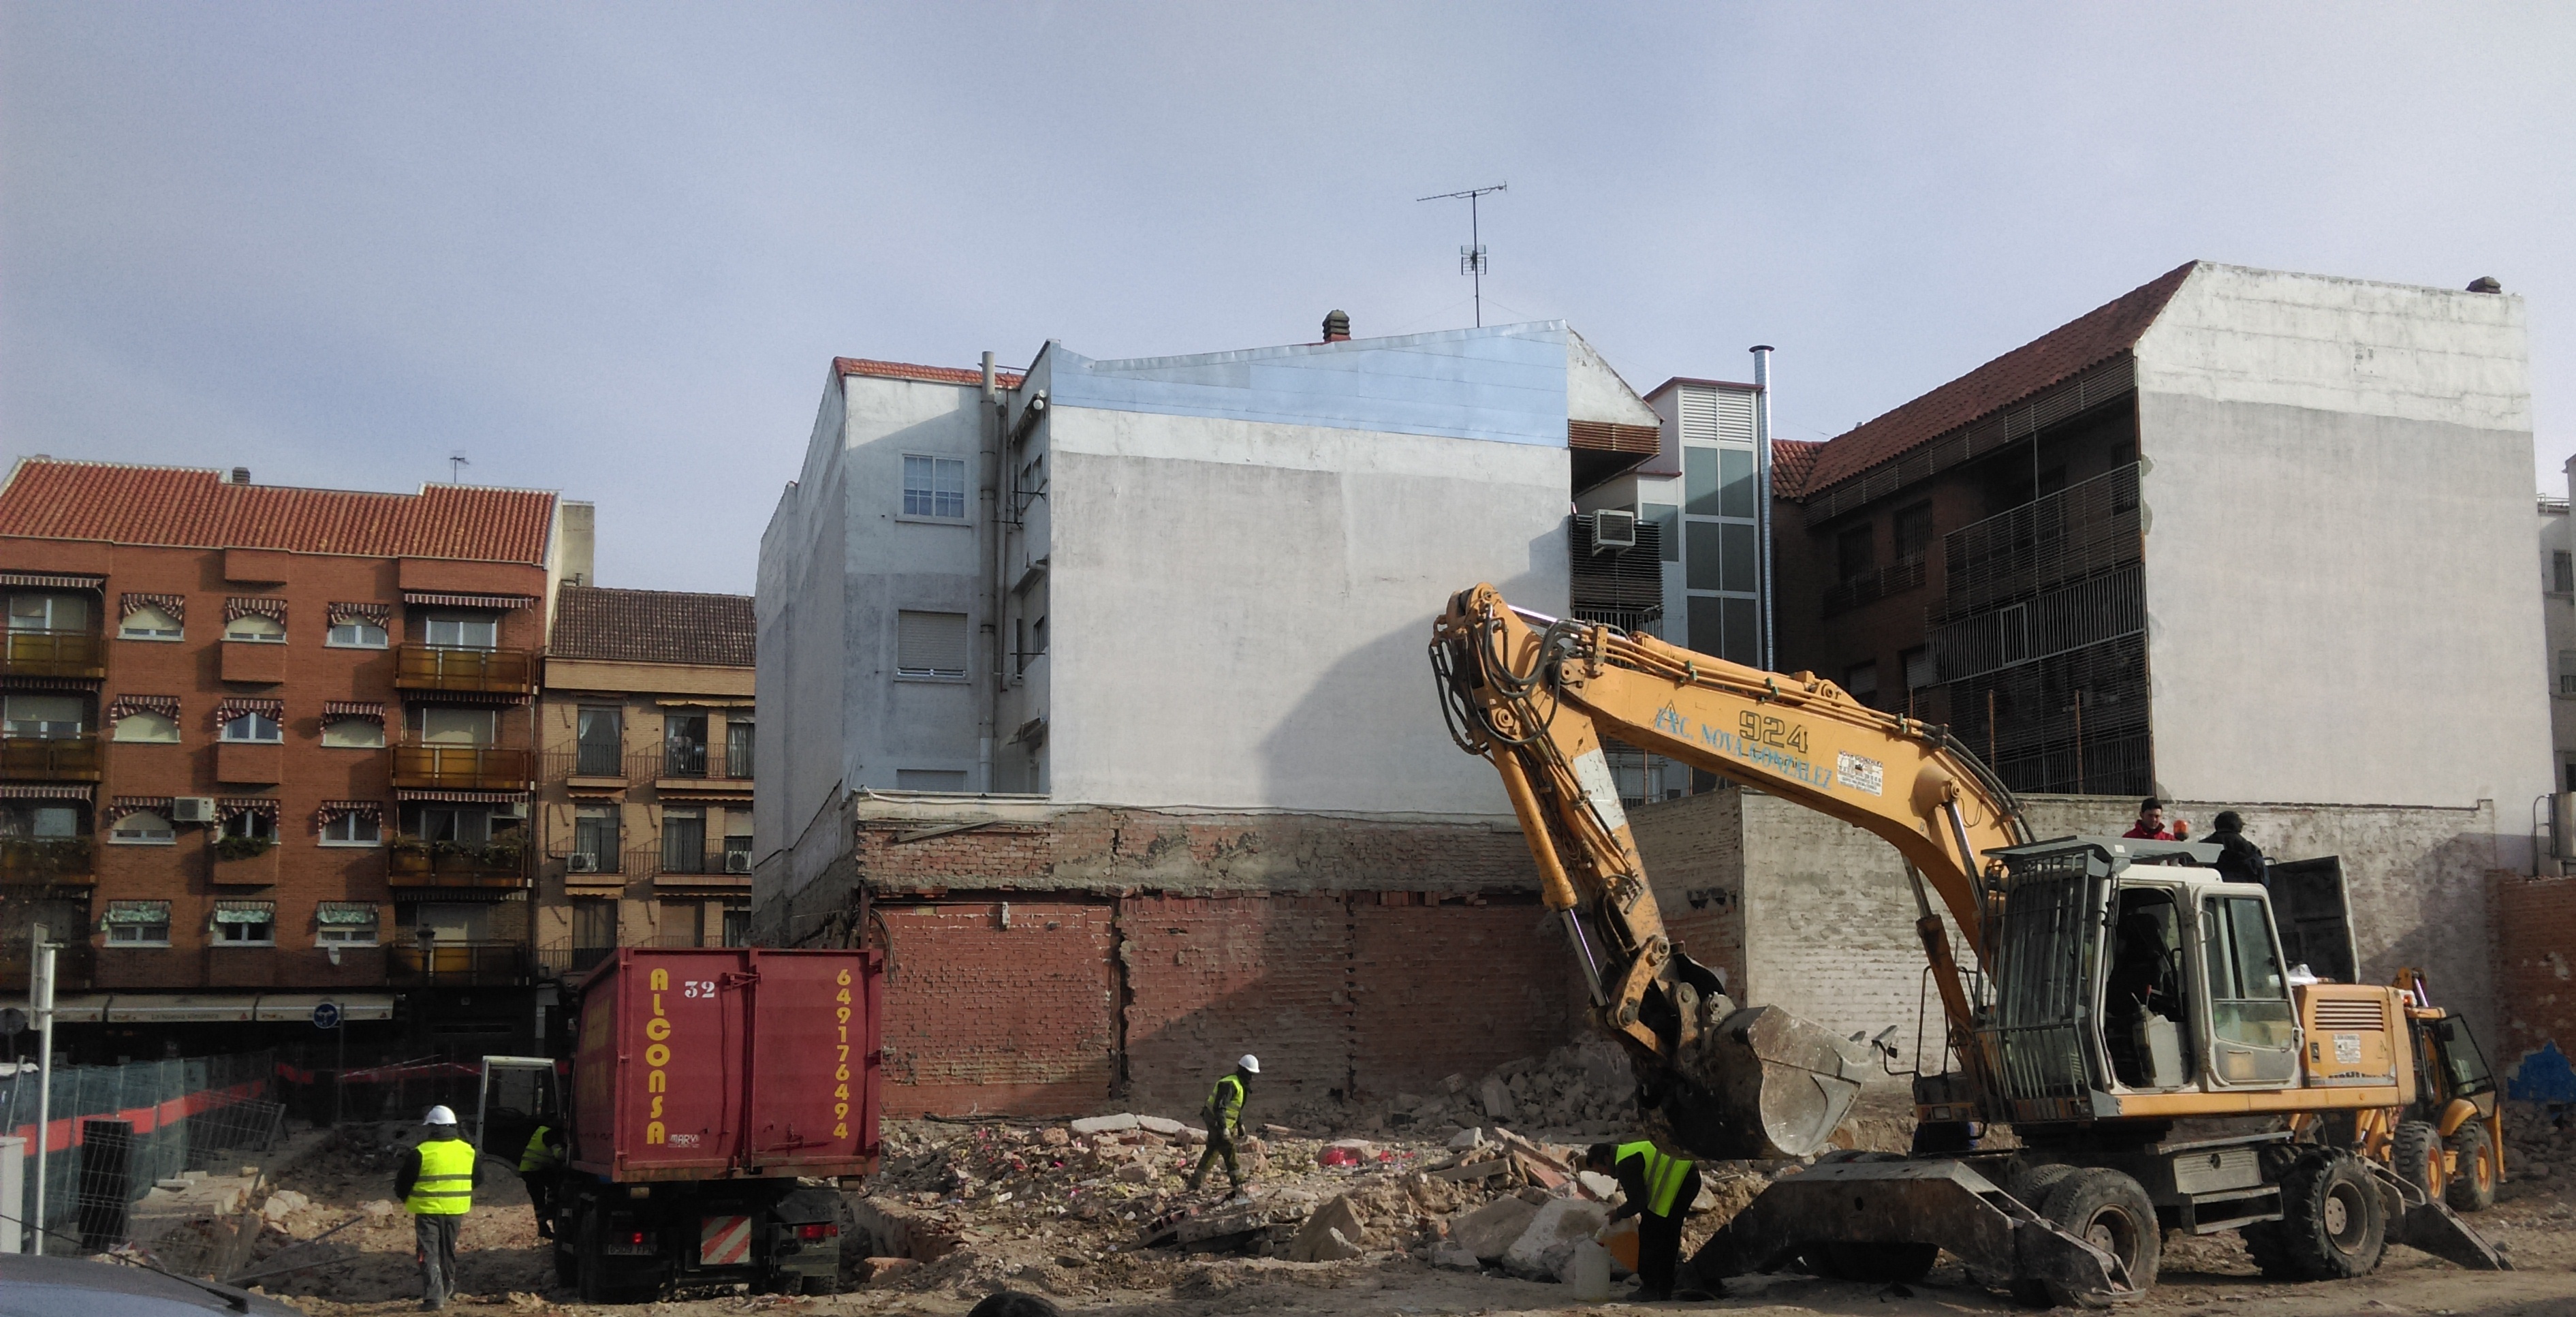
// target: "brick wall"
[[2535, 923], [983, 1017]]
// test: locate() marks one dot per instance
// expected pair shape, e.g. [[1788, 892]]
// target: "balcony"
[[569, 962], [80, 655], [46, 860], [696, 766], [489, 671], [461, 768], [692, 868], [458, 964], [49, 758], [413, 863], [595, 763]]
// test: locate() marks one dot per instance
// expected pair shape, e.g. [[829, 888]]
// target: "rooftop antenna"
[[1471, 258], [456, 465]]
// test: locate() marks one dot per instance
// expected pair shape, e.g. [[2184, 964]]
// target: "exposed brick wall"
[[1212, 978], [982, 1017], [2535, 923]]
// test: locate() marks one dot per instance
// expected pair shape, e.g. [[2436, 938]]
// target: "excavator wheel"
[[2333, 1225], [2112, 1212], [2418, 1157], [2473, 1179]]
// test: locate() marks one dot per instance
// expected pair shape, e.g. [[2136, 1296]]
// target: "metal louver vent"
[[2351, 1015]]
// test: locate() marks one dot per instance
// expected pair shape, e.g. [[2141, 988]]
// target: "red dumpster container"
[[705, 1063]]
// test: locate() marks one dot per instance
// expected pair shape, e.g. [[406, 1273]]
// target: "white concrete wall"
[[1240, 610], [2337, 501]]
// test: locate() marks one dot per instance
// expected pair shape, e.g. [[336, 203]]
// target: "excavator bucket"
[[2421, 1221], [1758, 1083]]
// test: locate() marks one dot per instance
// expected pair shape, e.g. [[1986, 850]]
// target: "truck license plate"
[[724, 1241]]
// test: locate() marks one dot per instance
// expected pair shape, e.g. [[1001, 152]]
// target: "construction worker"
[[2239, 860], [1223, 1115], [537, 1163], [1658, 1191], [2151, 823], [436, 1184]]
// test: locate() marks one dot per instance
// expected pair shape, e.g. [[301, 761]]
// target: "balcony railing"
[[579, 864], [438, 668], [462, 767], [700, 761], [49, 758], [81, 655], [566, 962], [436, 864], [609, 761], [462, 964], [648, 860], [46, 860]]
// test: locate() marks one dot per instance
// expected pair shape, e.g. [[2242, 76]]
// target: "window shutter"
[[930, 644]]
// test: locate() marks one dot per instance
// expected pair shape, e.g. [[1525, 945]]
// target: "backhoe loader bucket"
[[1758, 1083]]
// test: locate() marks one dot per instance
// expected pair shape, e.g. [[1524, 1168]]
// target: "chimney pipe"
[[241, 475], [1337, 328], [1762, 497]]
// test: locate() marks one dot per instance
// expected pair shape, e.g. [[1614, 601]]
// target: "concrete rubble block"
[[284, 1203], [1118, 1124], [1054, 1138], [1552, 1234], [1136, 1172], [1472, 1137], [1454, 1256], [1454, 1085], [872, 1270], [1537, 1170], [1471, 1172], [1496, 1098], [1163, 1125], [1332, 1234], [1601, 1187], [1491, 1230]]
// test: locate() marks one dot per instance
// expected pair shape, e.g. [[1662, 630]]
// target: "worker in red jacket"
[[2151, 823]]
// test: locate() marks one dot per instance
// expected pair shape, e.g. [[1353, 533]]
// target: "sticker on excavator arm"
[[1592, 772], [1865, 774]]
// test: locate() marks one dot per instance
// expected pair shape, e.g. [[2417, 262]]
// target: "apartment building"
[[1097, 694], [2558, 623], [266, 746], [2217, 539], [644, 795]]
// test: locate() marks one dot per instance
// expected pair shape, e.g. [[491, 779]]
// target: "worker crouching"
[[436, 1185], [1658, 1190], [537, 1164]]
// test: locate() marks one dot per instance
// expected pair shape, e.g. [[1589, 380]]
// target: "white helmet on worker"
[[439, 1116], [1248, 1064]]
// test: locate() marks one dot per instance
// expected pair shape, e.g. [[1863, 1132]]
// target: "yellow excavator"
[[2126, 1012]]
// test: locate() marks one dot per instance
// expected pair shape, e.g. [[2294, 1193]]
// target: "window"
[[929, 779], [934, 487], [1861, 682], [684, 841], [1920, 674], [2562, 572], [346, 924], [355, 634], [737, 854], [253, 725], [684, 743], [1718, 482], [2566, 674], [142, 827], [2249, 998], [255, 628], [244, 923], [456, 726], [930, 645], [455, 631], [147, 727], [1856, 551], [22, 820], [150, 623], [254, 825], [354, 828], [467, 825], [137, 923], [737, 925], [594, 839], [600, 738], [738, 748], [449, 923], [1913, 532], [354, 733], [47, 717], [48, 612], [594, 925]]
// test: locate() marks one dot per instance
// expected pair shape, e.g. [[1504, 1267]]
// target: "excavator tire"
[[2473, 1179], [2032, 1187], [2418, 1157], [2332, 1226], [2112, 1212]]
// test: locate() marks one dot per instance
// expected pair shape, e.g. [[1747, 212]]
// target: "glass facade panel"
[[1735, 483], [1743, 566], [1700, 481]]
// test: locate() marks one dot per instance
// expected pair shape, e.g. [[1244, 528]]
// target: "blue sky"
[[611, 249]]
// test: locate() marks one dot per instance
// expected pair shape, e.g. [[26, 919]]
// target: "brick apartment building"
[[266, 746], [644, 793]]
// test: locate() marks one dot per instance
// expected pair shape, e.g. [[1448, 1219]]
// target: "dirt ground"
[[1037, 1208]]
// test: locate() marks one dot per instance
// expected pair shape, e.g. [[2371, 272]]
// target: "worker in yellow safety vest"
[[537, 1164], [436, 1185], [1224, 1117], [1658, 1190]]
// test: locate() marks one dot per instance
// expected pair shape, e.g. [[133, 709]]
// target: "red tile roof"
[[972, 376], [200, 509], [2090, 338], [653, 626], [1791, 462]]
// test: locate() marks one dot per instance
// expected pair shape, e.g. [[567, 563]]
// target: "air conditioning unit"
[[737, 861], [1613, 529], [512, 809], [580, 863], [192, 809]]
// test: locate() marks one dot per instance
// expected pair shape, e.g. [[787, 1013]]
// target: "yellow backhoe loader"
[[2128, 1014]]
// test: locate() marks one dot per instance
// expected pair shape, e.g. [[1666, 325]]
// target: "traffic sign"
[[326, 1015]]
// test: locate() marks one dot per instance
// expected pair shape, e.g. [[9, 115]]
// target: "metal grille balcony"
[[489, 671], [81, 655], [49, 758], [461, 767]]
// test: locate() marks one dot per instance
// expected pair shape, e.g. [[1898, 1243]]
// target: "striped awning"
[[49, 791], [267, 606], [234, 706], [18, 683], [121, 806], [377, 614], [232, 807], [464, 797], [367, 709], [126, 706], [132, 602], [468, 600], [338, 809], [52, 580]]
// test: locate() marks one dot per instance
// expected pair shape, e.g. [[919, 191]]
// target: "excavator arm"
[[1535, 695]]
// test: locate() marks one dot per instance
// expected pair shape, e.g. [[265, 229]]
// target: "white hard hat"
[[1248, 1064], [439, 1116]]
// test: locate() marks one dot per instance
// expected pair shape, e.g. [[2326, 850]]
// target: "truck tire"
[[2418, 1157], [2332, 1225], [2473, 1180], [2112, 1212], [2030, 1185]]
